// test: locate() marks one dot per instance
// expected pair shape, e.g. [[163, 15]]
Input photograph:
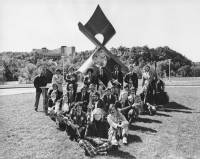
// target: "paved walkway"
[[11, 88], [12, 91], [8, 86]]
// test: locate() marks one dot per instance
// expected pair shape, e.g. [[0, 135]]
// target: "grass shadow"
[[175, 107], [161, 114], [147, 120], [133, 139], [141, 128], [121, 154], [175, 110]]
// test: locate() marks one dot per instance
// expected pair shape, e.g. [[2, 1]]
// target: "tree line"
[[24, 65]]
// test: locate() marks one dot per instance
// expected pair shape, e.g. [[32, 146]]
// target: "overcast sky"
[[28, 24]]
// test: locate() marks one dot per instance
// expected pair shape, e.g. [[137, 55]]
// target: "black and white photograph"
[[104, 79]]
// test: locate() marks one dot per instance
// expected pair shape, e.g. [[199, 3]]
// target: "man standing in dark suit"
[[102, 76], [39, 81], [118, 75], [132, 78], [83, 96]]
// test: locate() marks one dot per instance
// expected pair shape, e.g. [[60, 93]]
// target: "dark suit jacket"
[[103, 78], [80, 97], [134, 78], [59, 94], [70, 81], [71, 99], [39, 81], [118, 77], [107, 101], [93, 80], [100, 104]]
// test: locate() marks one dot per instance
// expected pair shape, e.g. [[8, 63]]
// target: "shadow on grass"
[[175, 110], [133, 139], [175, 107], [141, 128], [121, 154], [161, 114], [147, 120]]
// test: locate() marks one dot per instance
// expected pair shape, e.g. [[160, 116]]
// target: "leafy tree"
[[29, 72], [17, 62], [195, 70], [185, 71]]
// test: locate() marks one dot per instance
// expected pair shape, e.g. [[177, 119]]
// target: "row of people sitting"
[[105, 98], [101, 81], [89, 114]]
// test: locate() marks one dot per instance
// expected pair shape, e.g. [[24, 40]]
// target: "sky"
[[28, 24]]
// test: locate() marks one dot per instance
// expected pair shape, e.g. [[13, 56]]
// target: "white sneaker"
[[124, 140], [114, 142]]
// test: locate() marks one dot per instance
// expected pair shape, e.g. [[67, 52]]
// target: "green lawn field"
[[174, 132]]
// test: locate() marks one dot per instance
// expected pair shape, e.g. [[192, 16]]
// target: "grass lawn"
[[174, 132]]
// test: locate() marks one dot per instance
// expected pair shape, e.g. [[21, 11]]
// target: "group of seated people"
[[98, 115]]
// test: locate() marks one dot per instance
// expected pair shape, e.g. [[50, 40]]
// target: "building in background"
[[55, 54]]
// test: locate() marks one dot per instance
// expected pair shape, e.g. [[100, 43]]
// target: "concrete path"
[[12, 91]]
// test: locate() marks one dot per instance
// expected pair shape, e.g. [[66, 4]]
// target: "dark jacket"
[[107, 101], [103, 78], [59, 94], [91, 80], [160, 86], [70, 81], [118, 76], [40, 81], [72, 98], [83, 98], [133, 76], [100, 104]]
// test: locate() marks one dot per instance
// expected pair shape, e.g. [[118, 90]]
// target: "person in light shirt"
[[118, 126], [146, 76], [149, 84], [133, 106], [124, 95], [58, 79]]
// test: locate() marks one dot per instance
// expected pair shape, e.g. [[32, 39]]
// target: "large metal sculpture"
[[99, 24]]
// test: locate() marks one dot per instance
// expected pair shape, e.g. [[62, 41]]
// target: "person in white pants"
[[118, 126]]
